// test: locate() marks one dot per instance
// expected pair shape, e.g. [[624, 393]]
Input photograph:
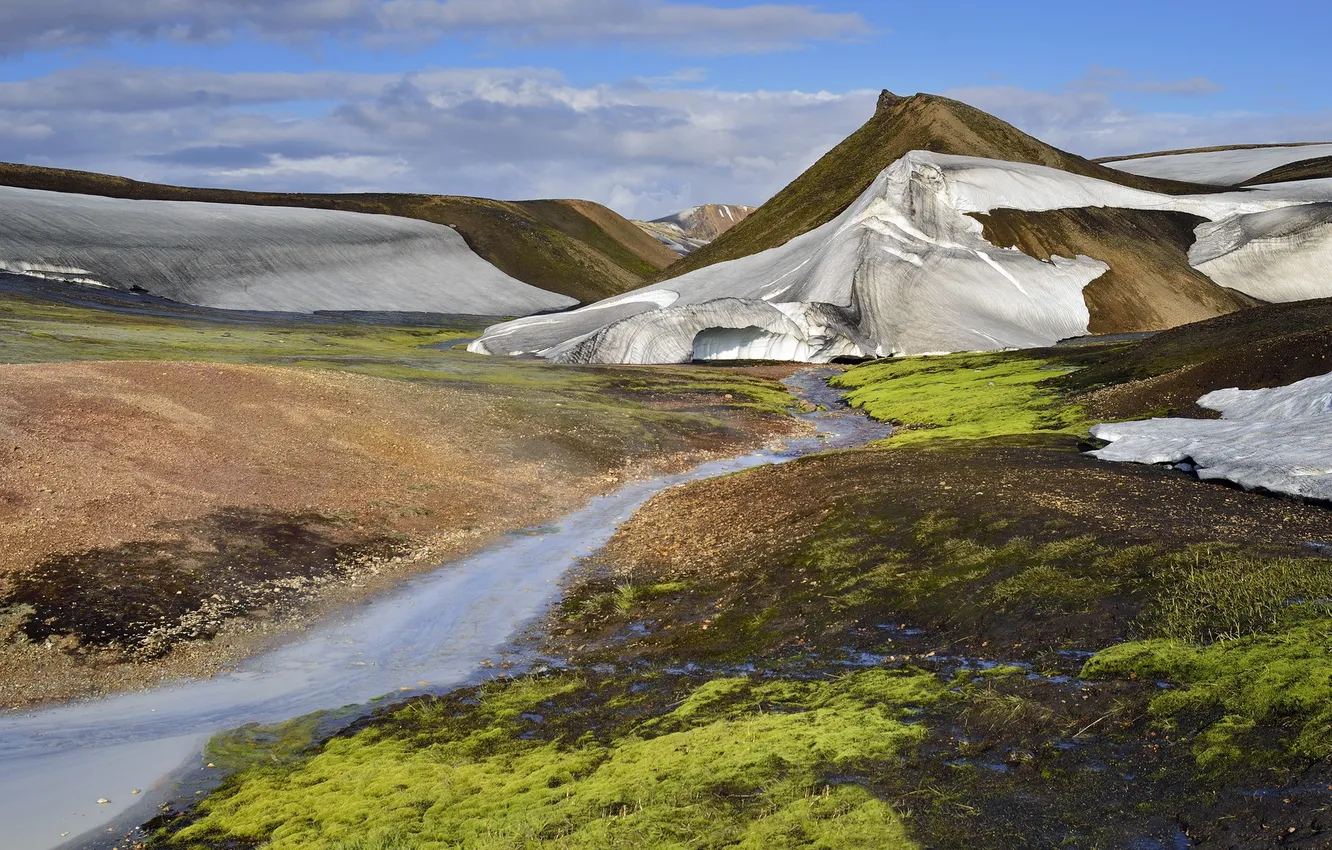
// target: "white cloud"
[[1111, 79], [513, 133], [686, 27], [1092, 123]]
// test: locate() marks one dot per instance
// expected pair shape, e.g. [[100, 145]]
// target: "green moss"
[[964, 396], [1246, 640], [719, 771], [1051, 588], [1281, 682], [256, 744]]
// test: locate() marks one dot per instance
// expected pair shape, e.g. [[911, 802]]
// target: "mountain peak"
[[925, 122], [688, 230], [886, 100]]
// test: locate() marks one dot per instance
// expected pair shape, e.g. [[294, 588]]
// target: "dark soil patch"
[[760, 555], [1268, 346], [143, 597]]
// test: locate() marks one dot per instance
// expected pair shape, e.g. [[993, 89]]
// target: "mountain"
[[922, 122], [574, 248], [1013, 244], [688, 230]]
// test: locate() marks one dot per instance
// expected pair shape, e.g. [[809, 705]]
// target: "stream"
[[434, 632]]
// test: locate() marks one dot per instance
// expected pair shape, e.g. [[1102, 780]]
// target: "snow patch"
[[46, 271], [1277, 439], [257, 258], [1220, 168]]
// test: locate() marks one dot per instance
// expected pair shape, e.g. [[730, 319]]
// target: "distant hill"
[[688, 230], [921, 122], [575, 248], [1233, 165]]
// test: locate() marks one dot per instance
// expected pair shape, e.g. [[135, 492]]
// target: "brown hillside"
[[1305, 169], [900, 124], [1150, 285], [576, 248], [1271, 345], [1212, 149]]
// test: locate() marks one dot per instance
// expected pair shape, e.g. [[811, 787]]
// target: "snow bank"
[[256, 258], [1220, 168], [904, 270], [1274, 439]]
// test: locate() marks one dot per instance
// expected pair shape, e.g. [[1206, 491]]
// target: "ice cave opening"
[[750, 343]]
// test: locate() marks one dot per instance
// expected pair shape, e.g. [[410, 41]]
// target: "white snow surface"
[[1220, 168], [256, 258], [1279, 440], [905, 270]]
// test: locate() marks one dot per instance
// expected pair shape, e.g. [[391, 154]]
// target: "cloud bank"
[[644, 147], [689, 27]]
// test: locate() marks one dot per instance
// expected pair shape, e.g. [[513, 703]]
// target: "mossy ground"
[[738, 763], [966, 396], [38, 331]]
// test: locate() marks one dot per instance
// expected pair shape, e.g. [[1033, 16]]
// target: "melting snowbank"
[[256, 258], [1275, 439], [904, 270], [1220, 168]]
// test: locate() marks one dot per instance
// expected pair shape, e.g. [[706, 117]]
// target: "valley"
[[969, 493], [966, 631]]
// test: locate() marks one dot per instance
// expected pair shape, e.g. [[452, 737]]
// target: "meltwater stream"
[[56, 764]]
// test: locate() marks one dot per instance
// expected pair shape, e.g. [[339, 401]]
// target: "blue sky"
[[647, 105]]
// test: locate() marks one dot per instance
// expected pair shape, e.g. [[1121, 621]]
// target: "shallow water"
[[435, 631]]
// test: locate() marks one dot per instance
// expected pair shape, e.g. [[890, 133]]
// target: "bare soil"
[[165, 519]]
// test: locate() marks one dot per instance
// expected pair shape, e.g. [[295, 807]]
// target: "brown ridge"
[[1212, 149], [1150, 285], [1305, 169]]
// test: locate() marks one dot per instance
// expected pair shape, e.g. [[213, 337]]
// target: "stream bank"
[[435, 632]]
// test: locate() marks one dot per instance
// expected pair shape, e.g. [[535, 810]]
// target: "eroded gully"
[[435, 632]]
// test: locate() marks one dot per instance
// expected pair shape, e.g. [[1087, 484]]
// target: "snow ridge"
[[256, 258]]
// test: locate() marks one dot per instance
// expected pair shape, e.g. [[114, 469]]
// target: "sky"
[[648, 106]]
